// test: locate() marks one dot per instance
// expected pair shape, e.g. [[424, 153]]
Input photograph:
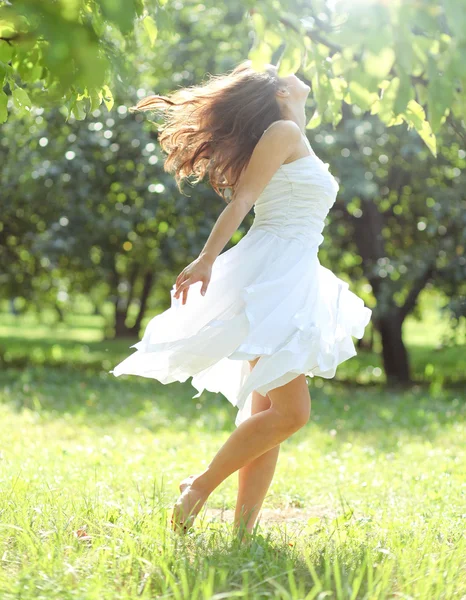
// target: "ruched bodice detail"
[[297, 199]]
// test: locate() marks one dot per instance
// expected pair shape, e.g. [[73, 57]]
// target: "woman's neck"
[[297, 115]]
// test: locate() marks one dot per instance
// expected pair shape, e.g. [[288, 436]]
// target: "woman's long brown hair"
[[213, 127]]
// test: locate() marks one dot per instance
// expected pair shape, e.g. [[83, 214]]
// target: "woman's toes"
[[187, 481], [186, 508]]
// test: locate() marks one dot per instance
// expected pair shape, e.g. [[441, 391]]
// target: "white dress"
[[268, 296]]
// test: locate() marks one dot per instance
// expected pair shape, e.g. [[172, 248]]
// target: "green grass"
[[379, 480], [372, 492]]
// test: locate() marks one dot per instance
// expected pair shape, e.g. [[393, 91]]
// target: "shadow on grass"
[[100, 400], [328, 558]]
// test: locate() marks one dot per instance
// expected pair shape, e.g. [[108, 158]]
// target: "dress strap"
[[308, 145]]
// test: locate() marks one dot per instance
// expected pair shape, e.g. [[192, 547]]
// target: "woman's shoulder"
[[284, 126]]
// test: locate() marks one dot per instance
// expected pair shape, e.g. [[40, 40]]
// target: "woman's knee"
[[292, 403], [295, 418]]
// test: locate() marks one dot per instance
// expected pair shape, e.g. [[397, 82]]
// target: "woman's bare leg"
[[289, 411], [254, 479]]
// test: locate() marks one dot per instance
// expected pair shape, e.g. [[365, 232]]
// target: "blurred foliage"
[[88, 208], [63, 52], [399, 221], [396, 59]]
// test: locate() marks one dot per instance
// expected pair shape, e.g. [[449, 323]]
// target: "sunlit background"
[[93, 233]]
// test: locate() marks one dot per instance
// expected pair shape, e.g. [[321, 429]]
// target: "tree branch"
[[454, 125], [146, 288], [315, 36], [417, 288]]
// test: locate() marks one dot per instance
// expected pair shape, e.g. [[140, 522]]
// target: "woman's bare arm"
[[275, 146]]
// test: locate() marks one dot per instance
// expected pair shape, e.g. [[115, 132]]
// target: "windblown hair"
[[213, 127]]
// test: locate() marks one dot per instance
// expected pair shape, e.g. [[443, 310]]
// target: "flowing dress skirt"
[[268, 296]]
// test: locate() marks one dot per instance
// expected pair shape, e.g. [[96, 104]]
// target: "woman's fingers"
[[188, 277], [180, 278], [184, 287], [184, 284], [180, 285], [204, 287]]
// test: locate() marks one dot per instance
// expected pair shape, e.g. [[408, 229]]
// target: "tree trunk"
[[121, 330], [121, 310], [146, 289], [370, 243], [61, 316], [395, 356]]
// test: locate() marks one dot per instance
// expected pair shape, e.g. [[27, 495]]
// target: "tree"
[[397, 59], [399, 222], [66, 53], [386, 63], [90, 206]]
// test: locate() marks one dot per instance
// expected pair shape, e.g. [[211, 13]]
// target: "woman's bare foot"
[[246, 539], [187, 506], [186, 482]]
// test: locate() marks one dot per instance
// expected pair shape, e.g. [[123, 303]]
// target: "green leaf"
[[323, 92], [379, 65], [339, 86], [360, 96], [456, 17], [150, 28], [458, 106], [336, 113], [290, 60], [96, 98], [3, 107], [260, 55], [386, 103], [79, 109], [314, 121], [6, 52], [404, 94], [416, 117], [273, 39], [21, 98], [258, 22], [439, 93], [403, 38], [121, 12], [108, 97]]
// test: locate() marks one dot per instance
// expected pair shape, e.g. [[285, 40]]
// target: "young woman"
[[265, 313]]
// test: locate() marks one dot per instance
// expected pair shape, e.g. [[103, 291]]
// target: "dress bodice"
[[297, 199]]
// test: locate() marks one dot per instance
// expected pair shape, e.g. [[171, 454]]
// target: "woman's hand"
[[199, 270]]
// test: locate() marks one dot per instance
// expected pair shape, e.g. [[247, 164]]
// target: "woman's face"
[[291, 89]]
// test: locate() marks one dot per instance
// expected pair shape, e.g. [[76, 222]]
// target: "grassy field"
[[368, 500]]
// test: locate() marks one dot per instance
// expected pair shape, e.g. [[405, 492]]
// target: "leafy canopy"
[[400, 60]]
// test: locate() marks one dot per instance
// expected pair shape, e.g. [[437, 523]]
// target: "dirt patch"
[[273, 515]]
